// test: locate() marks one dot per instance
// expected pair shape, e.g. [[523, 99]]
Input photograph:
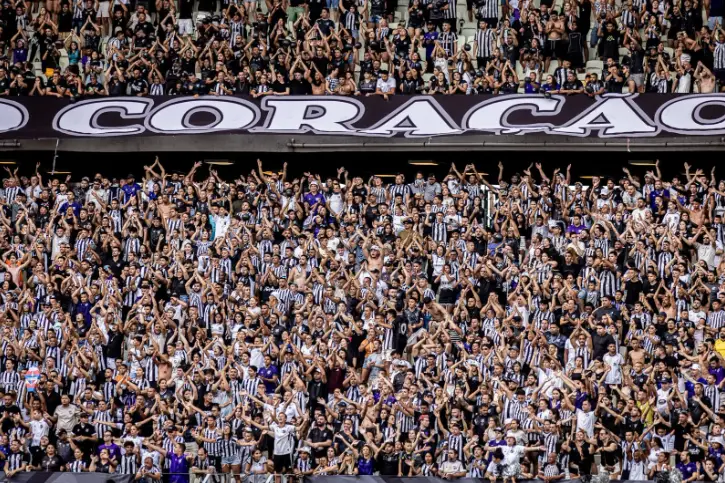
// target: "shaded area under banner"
[[426, 479]]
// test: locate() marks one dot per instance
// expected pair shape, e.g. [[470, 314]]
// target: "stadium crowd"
[[184, 325], [88, 48]]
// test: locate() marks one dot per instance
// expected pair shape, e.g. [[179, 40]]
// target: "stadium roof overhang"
[[225, 143]]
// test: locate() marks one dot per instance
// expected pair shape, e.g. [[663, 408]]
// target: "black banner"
[[608, 116], [58, 477]]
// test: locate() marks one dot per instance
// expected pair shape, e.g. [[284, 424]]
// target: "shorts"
[[232, 460], [616, 469], [555, 48], [447, 297], [185, 27], [638, 79], [282, 462], [375, 19], [103, 10]]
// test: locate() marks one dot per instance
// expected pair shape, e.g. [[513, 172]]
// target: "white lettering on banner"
[[419, 117], [321, 115], [13, 116], [683, 115], [229, 113], [613, 116], [492, 115], [608, 116], [81, 119]]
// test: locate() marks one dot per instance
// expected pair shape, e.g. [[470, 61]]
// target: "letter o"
[[682, 115], [13, 116], [175, 117]]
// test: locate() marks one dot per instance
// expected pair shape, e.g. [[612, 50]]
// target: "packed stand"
[[186, 325], [88, 48]]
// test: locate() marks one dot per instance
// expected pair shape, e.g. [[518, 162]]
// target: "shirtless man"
[[15, 266], [636, 354], [374, 257], [554, 39], [164, 205], [705, 79], [298, 274], [318, 84]]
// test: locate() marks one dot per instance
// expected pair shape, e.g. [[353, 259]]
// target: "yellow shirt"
[[720, 346], [648, 415]]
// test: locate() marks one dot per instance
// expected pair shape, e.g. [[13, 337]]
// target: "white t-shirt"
[[585, 421], [512, 454], [683, 86], [39, 429], [707, 253], [283, 438], [386, 87], [336, 203], [614, 376], [638, 471]]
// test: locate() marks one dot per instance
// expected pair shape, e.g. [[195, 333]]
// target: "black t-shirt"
[[510, 87], [636, 61], [87, 430], [315, 7], [377, 7], [278, 86], [65, 21], [51, 463], [11, 411], [388, 463], [615, 86], [610, 44], [138, 86], [696, 411], [299, 87], [185, 8], [573, 86], [600, 343], [117, 87], [319, 435], [88, 13], [326, 25]]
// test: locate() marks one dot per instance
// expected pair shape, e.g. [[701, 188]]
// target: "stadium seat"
[[519, 71], [553, 66], [469, 33], [595, 66], [63, 62]]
